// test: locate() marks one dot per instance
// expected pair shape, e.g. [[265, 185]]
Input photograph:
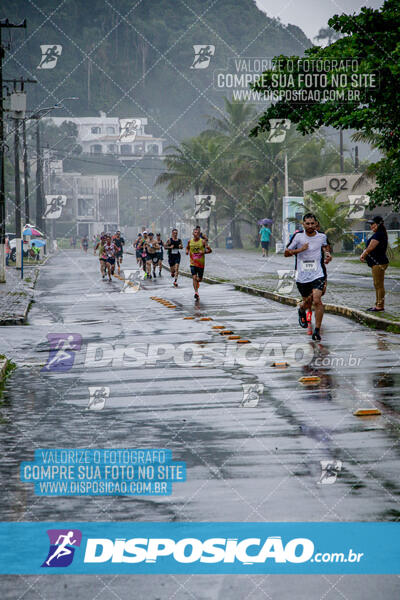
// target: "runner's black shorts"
[[160, 255], [154, 258], [306, 289], [265, 245], [174, 259], [199, 271], [120, 254], [111, 260]]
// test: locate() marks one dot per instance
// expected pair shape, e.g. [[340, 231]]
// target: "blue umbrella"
[[265, 222], [39, 243]]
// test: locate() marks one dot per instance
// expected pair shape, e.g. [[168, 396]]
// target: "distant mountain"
[[132, 58]]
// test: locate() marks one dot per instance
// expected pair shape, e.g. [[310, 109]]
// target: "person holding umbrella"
[[375, 257], [265, 235]]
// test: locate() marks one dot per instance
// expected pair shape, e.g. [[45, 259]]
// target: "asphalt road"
[[248, 458]]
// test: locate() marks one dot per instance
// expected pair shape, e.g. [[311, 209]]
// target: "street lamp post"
[[40, 114]]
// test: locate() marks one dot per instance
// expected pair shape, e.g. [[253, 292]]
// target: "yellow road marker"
[[226, 332], [310, 380], [234, 337], [280, 365], [243, 342], [188, 318], [205, 319], [367, 412], [218, 327]]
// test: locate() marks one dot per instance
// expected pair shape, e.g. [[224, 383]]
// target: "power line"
[[93, 162]]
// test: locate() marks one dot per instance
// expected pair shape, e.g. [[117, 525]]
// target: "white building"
[[92, 200], [124, 138]]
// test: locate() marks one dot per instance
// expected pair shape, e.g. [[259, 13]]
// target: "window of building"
[[96, 149], [152, 149], [85, 207], [126, 149], [110, 130], [96, 130], [139, 148], [111, 148]]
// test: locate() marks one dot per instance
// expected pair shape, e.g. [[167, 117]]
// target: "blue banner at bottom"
[[199, 548]]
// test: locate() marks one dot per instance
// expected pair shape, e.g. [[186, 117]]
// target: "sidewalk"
[[16, 295], [349, 281]]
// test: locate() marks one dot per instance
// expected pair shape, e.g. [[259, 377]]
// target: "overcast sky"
[[311, 15]]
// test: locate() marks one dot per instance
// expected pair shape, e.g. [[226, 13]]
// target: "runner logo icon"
[[62, 547], [202, 56], [62, 351]]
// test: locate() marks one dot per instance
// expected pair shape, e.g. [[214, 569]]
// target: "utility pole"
[[26, 174], [286, 176], [17, 189], [39, 180], [4, 24], [20, 116], [341, 150], [18, 112]]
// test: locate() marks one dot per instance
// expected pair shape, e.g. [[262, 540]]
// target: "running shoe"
[[309, 323], [175, 284], [196, 297], [316, 336], [302, 318], [154, 274]]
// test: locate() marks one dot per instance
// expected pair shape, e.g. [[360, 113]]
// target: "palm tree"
[[334, 217], [196, 165], [232, 129], [236, 123], [368, 174]]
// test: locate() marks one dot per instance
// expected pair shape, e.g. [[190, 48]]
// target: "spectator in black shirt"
[[375, 257]]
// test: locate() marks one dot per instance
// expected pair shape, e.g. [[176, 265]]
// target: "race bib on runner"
[[309, 265], [174, 251]]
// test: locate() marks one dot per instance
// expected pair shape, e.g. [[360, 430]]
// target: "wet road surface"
[[254, 459]]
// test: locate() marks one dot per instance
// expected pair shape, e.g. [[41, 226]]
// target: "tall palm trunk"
[[236, 237], [216, 242]]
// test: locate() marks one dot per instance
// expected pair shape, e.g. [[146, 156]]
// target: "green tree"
[[371, 37], [197, 166]]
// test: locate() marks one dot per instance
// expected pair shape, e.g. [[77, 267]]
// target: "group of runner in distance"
[[310, 247], [149, 252]]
